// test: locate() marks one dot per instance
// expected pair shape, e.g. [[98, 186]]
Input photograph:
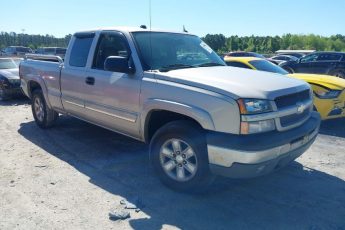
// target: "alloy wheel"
[[39, 109], [178, 160]]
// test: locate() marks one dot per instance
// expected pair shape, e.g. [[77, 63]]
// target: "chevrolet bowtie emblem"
[[300, 108]]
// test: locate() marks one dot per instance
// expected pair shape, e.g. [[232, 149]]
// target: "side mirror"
[[118, 64]]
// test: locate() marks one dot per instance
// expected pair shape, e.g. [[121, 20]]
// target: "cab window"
[[109, 44], [329, 57]]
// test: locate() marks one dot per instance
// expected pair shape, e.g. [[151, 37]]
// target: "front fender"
[[198, 114]]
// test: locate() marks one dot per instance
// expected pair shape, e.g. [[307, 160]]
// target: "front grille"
[[292, 99], [294, 118]]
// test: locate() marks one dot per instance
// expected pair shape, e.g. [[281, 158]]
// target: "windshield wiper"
[[210, 64], [174, 66]]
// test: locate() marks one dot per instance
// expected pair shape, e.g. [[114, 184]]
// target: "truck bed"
[[46, 68]]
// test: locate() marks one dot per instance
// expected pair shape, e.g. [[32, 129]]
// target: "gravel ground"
[[71, 176]]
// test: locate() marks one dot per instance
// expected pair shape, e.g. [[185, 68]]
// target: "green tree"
[[215, 41]]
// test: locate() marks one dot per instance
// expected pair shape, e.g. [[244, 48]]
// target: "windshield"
[[174, 51], [7, 64], [267, 66]]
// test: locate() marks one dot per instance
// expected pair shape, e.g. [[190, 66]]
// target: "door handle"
[[90, 80]]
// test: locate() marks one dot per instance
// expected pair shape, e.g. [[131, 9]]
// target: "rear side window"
[[329, 57], [80, 51], [237, 64]]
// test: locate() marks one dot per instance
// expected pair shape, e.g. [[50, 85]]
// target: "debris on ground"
[[119, 214], [40, 166], [137, 204]]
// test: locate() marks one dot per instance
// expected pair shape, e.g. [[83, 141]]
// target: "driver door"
[[112, 98], [307, 64]]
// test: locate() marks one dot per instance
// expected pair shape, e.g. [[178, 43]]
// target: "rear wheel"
[[178, 152], [43, 115]]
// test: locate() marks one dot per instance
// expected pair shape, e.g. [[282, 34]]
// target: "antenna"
[[150, 13], [184, 29]]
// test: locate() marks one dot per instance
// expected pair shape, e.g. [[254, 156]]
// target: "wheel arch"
[[168, 111], [38, 84], [332, 71]]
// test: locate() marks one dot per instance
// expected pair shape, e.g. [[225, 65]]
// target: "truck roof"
[[128, 29]]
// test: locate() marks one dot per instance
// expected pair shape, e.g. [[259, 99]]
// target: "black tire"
[[339, 73], [45, 117], [189, 134]]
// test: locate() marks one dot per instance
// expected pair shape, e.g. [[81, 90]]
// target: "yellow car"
[[329, 93]]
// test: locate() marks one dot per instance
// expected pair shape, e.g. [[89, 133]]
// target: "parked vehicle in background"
[[282, 58], [57, 51], [19, 51], [329, 63], [243, 54], [173, 91], [329, 91], [17, 60], [295, 53], [9, 78]]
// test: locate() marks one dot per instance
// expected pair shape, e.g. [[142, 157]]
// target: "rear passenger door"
[[326, 62], [73, 74], [113, 98]]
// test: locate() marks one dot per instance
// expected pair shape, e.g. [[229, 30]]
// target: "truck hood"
[[235, 82], [327, 81], [10, 73]]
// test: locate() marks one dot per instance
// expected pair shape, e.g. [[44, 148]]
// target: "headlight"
[[331, 94], [253, 106], [257, 126]]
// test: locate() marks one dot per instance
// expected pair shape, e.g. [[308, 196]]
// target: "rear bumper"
[[240, 156]]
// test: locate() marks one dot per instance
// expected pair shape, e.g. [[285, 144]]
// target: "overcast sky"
[[229, 17]]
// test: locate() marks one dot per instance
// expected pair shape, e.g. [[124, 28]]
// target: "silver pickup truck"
[[171, 90]]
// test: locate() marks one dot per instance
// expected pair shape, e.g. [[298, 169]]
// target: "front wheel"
[[178, 152], [339, 73], [43, 115]]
